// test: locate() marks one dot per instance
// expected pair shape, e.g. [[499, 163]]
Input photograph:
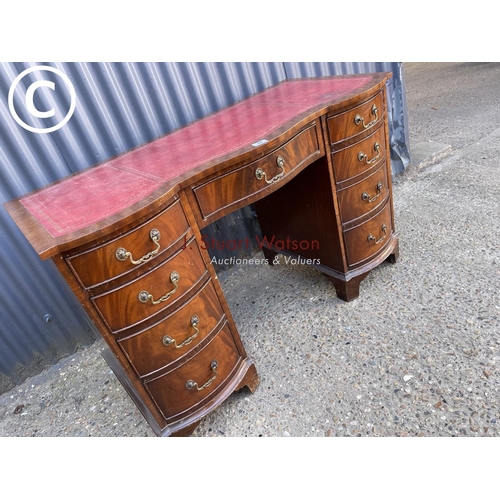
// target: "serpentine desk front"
[[311, 155]]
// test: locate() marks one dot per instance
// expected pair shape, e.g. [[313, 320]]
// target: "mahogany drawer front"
[[356, 120], [152, 292], [154, 348], [367, 239], [360, 157], [144, 244], [244, 182], [364, 196], [195, 380]]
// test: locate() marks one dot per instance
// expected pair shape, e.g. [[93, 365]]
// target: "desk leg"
[[250, 380], [394, 255], [269, 255], [348, 290]]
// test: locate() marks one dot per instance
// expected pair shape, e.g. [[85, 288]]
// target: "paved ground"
[[416, 355]]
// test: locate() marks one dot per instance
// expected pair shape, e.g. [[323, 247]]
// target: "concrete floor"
[[417, 354]]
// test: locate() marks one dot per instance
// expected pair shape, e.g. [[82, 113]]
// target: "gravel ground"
[[416, 354]]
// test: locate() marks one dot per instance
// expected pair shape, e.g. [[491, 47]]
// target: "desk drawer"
[[360, 157], [245, 182], [154, 348], [152, 292], [365, 117], [194, 381], [367, 239], [143, 244], [364, 196]]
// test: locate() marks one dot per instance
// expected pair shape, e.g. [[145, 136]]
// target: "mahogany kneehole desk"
[[311, 155]]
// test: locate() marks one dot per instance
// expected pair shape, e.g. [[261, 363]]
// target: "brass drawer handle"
[[145, 297], [123, 255], [191, 384], [358, 120], [372, 238], [366, 197], [260, 174], [363, 157], [168, 340]]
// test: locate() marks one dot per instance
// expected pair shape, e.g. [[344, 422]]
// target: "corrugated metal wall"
[[118, 106]]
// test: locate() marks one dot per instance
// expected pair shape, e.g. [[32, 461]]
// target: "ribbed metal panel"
[[118, 106]]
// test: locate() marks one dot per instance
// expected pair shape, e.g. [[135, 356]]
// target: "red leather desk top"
[[105, 190]]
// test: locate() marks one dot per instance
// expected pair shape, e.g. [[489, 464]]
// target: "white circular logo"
[[30, 95]]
